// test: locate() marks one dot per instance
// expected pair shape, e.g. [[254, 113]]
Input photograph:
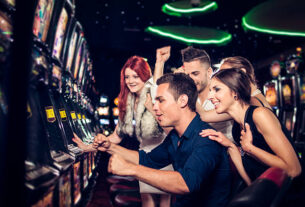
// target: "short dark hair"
[[190, 54], [238, 81], [180, 83]]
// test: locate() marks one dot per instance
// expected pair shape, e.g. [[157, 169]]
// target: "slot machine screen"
[[275, 69], [287, 91], [270, 90], [77, 173], [6, 29], [71, 52], [289, 120], [60, 33], [46, 201], [42, 19], [77, 61], [90, 164], [65, 190], [302, 89], [85, 171], [56, 74], [81, 70]]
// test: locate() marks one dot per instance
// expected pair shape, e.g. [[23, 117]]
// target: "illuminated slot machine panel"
[[42, 19], [46, 201], [271, 91], [76, 182], [65, 188], [60, 34], [90, 164], [85, 171], [301, 110], [288, 102]]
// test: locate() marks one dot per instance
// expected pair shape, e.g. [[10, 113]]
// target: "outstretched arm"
[[169, 181], [211, 116]]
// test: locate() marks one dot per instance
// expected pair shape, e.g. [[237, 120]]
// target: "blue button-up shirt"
[[203, 164]]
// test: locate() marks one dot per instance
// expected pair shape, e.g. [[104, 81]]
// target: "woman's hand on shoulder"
[[216, 136]]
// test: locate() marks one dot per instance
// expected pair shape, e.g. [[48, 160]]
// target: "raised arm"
[[162, 55], [269, 126]]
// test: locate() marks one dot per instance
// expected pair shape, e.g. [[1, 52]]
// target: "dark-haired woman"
[[136, 118], [262, 143]]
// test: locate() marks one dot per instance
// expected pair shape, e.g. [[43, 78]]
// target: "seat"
[[267, 190]]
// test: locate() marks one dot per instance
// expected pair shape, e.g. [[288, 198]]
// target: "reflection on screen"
[[81, 70], [60, 33], [289, 122], [11, 2], [79, 53], [71, 51], [42, 19], [302, 89]]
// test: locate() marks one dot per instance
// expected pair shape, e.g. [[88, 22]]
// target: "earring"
[[235, 98]]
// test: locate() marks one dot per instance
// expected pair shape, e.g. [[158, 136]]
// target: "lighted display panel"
[[56, 74], [10, 2], [60, 34], [85, 171], [288, 91], [271, 93], [275, 69], [5, 26], [71, 52], [302, 89], [46, 201], [76, 171], [42, 19], [65, 190], [81, 70], [77, 61], [289, 120]]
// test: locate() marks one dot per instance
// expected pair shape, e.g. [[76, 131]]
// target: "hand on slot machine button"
[[101, 142], [82, 145], [119, 166]]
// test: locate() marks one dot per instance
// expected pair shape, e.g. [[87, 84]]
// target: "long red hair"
[[141, 67]]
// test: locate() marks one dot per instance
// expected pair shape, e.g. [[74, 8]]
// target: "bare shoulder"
[[264, 117]]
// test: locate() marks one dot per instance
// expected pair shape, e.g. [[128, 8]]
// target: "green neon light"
[[270, 31], [224, 40], [191, 10]]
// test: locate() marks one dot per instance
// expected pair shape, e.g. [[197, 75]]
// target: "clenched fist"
[[119, 166]]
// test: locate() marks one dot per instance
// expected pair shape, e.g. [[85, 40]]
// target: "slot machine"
[[271, 88], [41, 171], [288, 95], [6, 31], [44, 88]]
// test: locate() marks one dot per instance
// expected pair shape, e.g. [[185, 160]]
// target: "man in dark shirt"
[[201, 175]]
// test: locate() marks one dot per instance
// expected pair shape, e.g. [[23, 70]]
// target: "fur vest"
[[147, 130]]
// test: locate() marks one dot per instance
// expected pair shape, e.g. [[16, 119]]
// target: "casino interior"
[[60, 63]]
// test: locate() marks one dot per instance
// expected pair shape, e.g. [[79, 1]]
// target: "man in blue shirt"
[[201, 175]]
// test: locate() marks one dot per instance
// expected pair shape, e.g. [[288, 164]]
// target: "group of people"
[[190, 124]]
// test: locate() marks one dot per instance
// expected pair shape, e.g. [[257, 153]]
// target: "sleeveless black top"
[[253, 167]]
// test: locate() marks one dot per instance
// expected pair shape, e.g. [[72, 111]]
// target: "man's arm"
[[169, 181]]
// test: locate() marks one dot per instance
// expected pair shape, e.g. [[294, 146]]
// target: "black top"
[[253, 167], [203, 164]]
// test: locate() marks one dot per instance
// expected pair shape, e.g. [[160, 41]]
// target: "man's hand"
[[162, 54], [82, 145], [119, 166], [101, 142]]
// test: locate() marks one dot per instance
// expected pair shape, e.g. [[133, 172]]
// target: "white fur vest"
[[147, 130]]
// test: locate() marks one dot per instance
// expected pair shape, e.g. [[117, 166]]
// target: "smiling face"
[[198, 72], [166, 107], [221, 96], [133, 81]]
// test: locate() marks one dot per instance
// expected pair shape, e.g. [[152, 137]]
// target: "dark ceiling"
[[115, 31]]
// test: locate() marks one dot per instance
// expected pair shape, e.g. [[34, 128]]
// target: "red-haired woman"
[[136, 118]]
